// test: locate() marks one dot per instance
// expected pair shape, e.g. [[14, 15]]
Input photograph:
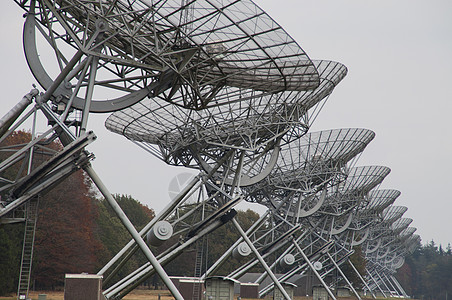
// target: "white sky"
[[399, 57]]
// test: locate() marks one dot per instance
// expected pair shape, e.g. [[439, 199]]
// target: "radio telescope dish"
[[393, 213], [311, 162], [249, 122], [138, 48], [381, 199]]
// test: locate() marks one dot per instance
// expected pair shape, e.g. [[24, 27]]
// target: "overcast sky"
[[399, 84]]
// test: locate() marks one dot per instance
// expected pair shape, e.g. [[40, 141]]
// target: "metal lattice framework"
[[251, 128], [391, 240], [324, 243], [311, 162], [274, 233], [252, 123], [98, 56], [220, 87], [144, 48], [369, 215]]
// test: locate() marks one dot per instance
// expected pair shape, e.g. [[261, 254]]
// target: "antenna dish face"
[[248, 121], [194, 48], [310, 162], [381, 199]]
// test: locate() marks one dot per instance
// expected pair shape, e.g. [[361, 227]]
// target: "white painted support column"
[[314, 270], [261, 260], [362, 279], [133, 232], [343, 275]]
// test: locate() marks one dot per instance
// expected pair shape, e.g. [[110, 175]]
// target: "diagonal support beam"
[[314, 270], [343, 275], [376, 284], [261, 260], [133, 232], [361, 278]]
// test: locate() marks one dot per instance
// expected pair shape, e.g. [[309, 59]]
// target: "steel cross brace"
[[261, 260], [315, 271], [343, 275], [396, 282], [393, 289], [361, 278], [376, 284]]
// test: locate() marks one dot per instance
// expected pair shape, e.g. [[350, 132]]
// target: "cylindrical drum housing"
[[160, 232], [241, 250], [287, 260]]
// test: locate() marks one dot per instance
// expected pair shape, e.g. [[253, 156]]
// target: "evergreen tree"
[[11, 236], [427, 273], [112, 233]]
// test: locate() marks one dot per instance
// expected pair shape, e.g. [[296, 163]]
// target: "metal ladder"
[[198, 269], [27, 250]]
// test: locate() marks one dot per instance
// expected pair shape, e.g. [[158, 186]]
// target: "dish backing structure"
[[216, 86]]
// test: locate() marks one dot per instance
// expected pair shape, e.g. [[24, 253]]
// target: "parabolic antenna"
[[364, 179], [408, 232], [377, 201], [400, 225], [412, 243], [381, 199], [398, 262], [338, 209], [348, 194], [306, 166], [383, 230], [140, 48], [393, 213], [249, 122]]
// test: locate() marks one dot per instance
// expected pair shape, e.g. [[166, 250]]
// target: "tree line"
[[76, 229], [78, 232], [427, 272]]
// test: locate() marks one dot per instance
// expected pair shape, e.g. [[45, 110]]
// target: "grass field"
[[135, 295]]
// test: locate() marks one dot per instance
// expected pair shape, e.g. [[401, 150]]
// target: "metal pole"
[[343, 275], [399, 286], [362, 279], [33, 136], [89, 93], [163, 259], [314, 270], [376, 283], [7, 120], [391, 284], [133, 232], [60, 78], [384, 283], [226, 254], [261, 260], [160, 216]]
